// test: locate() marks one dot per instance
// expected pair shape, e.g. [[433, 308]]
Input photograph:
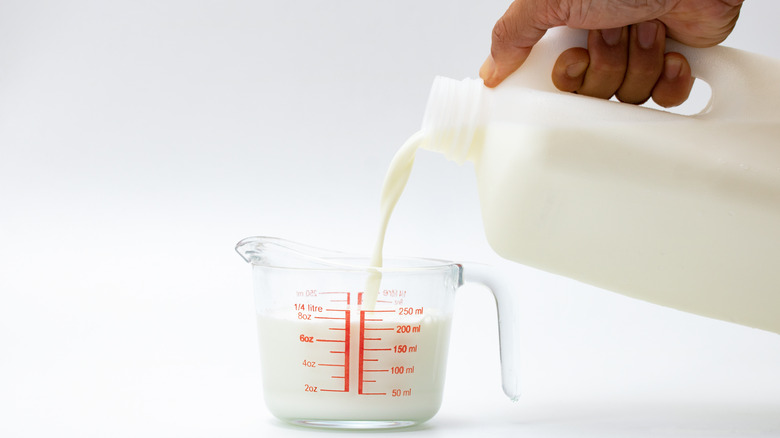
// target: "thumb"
[[515, 33]]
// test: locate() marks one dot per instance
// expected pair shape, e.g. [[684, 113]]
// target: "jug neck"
[[454, 114]]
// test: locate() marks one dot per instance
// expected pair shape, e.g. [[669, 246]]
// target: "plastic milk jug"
[[681, 211]]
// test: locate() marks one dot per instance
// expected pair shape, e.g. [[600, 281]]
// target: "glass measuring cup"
[[332, 355]]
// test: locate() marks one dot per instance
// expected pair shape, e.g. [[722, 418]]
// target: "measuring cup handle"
[[744, 85], [508, 327]]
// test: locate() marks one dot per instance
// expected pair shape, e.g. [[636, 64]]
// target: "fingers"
[[628, 63], [645, 62], [515, 33], [569, 69], [674, 86], [597, 71], [699, 23], [608, 50]]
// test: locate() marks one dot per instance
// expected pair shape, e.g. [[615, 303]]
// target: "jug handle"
[[744, 85], [508, 327]]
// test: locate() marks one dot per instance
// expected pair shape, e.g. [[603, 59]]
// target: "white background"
[[139, 140]]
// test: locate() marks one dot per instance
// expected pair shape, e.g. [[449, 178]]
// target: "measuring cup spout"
[[250, 249], [277, 252], [269, 251], [508, 328]]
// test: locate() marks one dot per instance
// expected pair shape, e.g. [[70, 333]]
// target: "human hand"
[[625, 55]]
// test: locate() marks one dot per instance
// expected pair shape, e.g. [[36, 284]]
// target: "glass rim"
[[254, 249]]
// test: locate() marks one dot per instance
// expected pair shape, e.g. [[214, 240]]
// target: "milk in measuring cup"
[[320, 371], [328, 359]]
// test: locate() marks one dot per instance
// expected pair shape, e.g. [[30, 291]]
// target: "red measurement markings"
[[360, 300], [346, 300], [375, 317], [345, 340]]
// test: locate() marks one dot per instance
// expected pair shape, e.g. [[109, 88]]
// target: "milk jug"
[[681, 211]]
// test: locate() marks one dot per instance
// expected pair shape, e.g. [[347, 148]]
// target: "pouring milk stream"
[[681, 211]]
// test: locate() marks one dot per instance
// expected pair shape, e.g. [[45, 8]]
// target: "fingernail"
[[612, 36], [487, 70], [646, 33], [672, 68], [576, 70]]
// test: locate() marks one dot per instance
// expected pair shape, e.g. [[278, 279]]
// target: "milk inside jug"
[[681, 211]]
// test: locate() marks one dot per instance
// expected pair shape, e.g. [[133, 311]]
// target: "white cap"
[[452, 116]]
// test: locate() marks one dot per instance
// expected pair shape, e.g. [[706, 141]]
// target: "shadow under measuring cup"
[[334, 356]]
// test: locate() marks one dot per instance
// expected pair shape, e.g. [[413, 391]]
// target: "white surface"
[[141, 140]]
